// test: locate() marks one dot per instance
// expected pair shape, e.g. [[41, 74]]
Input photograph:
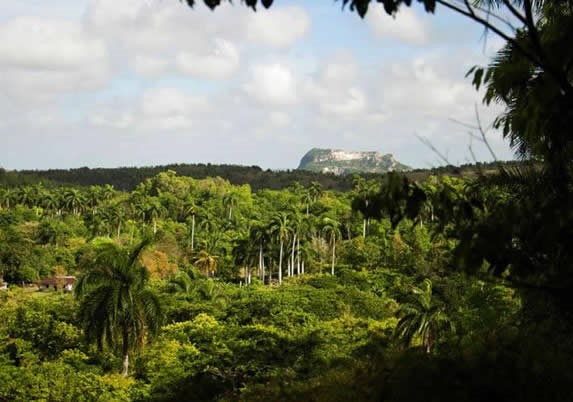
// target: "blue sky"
[[110, 83]]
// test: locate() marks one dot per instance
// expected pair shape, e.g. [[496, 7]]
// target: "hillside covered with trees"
[[295, 294]]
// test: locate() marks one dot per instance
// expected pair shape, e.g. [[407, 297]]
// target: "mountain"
[[342, 162]]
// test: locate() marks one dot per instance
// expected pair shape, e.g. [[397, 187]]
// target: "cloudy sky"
[[147, 82]]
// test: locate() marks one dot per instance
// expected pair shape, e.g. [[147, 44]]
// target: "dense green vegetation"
[[213, 292]]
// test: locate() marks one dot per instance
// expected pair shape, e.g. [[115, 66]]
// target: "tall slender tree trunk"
[[192, 231], [298, 256], [302, 268], [364, 228], [281, 264], [333, 254], [125, 353], [261, 260], [154, 226], [292, 254]]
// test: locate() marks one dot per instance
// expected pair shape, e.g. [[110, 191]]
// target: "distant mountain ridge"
[[342, 162]]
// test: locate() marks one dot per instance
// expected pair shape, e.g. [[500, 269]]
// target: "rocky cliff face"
[[344, 162]]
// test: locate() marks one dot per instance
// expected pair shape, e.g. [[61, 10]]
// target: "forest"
[[127, 178], [397, 288], [196, 289]]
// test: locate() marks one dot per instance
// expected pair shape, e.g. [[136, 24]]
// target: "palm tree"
[[207, 262], [50, 202], [297, 228], [94, 198], [422, 318], [280, 229], [73, 200], [27, 196], [117, 308], [230, 201], [331, 229], [153, 211], [107, 192], [7, 197], [190, 209], [259, 235], [117, 217], [363, 201], [213, 292], [246, 255], [182, 282], [307, 199], [315, 190]]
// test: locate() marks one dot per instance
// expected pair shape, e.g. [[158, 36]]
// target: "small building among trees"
[[65, 282]]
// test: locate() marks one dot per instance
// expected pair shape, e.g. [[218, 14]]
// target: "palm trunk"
[[192, 232], [125, 353], [333, 255], [263, 271], [281, 264], [298, 256], [261, 260], [292, 254]]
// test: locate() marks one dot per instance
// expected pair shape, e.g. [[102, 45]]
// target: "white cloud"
[[273, 84], [219, 63], [279, 119], [150, 66], [406, 27], [278, 27], [336, 90], [424, 86], [155, 37], [353, 104], [42, 58], [154, 109]]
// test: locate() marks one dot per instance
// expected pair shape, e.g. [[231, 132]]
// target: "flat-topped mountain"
[[344, 162]]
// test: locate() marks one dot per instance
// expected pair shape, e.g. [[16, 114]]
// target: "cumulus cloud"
[[41, 58], [163, 36], [278, 27], [406, 27], [154, 109], [273, 84], [351, 105], [219, 63], [425, 86]]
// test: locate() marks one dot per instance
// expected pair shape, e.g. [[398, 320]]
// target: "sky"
[[106, 83]]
